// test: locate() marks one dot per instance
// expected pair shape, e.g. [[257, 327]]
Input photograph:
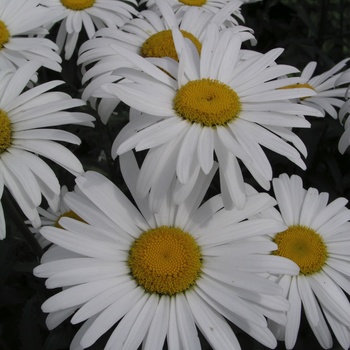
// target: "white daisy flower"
[[90, 14], [162, 275], [21, 22], [212, 6], [318, 240], [49, 217], [344, 78], [328, 94], [215, 102], [148, 35], [25, 118]]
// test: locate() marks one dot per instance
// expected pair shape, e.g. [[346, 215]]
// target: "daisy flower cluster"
[[158, 168]]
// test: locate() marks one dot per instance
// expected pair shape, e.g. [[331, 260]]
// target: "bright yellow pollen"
[[5, 131], [161, 44], [4, 34], [68, 214], [298, 86], [165, 260], [207, 102], [78, 5], [304, 246], [193, 2]]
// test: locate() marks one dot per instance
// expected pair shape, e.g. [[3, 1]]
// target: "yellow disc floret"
[[207, 102], [193, 2], [165, 260], [68, 214], [304, 246], [4, 34], [5, 131], [78, 5], [161, 44]]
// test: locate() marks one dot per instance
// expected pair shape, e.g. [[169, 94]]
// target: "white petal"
[[293, 315], [111, 315], [212, 324], [159, 326]]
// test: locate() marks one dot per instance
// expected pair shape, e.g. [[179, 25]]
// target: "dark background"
[[309, 30]]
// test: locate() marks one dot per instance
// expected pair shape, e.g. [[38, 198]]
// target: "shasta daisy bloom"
[[25, 121], [21, 22], [215, 102], [329, 95], [344, 111], [88, 14], [162, 275], [212, 6], [49, 217], [318, 240], [148, 35]]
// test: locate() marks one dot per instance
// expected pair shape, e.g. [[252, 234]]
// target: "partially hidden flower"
[[329, 96], [148, 35], [21, 35], [49, 217], [317, 239], [91, 15], [212, 6], [344, 141], [26, 116]]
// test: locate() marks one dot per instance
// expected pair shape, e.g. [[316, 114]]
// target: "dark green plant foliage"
[[308, 30]]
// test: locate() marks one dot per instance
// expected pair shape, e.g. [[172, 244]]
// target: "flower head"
[[326, 86], [225, 101], [90, 14], [25, 134], [162, 275], [21, 31], [149, 35], [49, 217], [212, 6], [317, 240], [344, 78]]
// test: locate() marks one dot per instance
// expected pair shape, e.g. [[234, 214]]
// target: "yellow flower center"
[[68, 214], [78, 5], [4, 34], [161, 44], [208, 102], [304, 246], [5, 131], [165, 260], [298, 86], [193, 2]]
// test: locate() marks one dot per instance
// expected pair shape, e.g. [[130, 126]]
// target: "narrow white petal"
[[293, 315], [159, 326], [134, 325], [308, 299], [111, 315], [110, 200], [212, 324], [76, 295], [187, 153], [186, 325]]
